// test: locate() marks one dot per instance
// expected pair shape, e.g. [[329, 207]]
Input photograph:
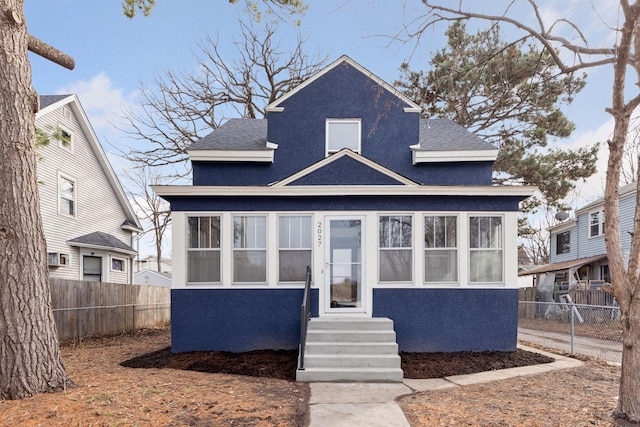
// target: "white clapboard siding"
[[97, 205]]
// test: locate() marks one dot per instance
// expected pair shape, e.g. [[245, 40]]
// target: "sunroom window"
[[203, 249], [250, 249], [395, 244], [440, 249], [485, 249], [294, 247]]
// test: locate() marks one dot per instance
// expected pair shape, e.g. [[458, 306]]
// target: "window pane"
[[343, 135], [429, 234], [485, 266], [249, 232], [204, 232], [295, 232], [203, 266], [215, 232], [563, 242], [440, 232], [485, 232], [441, 265], [451, 233], [395, 231], [496, 232], [474, 232], [305, 239], [283, 232], [192, 232], [250, 266], [66, 196], [293, 265], [395, 265]]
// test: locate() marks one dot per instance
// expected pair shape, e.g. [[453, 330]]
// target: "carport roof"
[[559, 266]]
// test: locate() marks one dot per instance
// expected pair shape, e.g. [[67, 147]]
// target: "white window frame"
[[455, 248], [63, 176], [328, 125], [188, 249], [264, 249], [501, 248], [396, 248], [70, 146], [600, 213], [279, 249], [567, 232], [124, 264]]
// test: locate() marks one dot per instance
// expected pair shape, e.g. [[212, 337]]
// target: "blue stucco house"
[[396, 216]]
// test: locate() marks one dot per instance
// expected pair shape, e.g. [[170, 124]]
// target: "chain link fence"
[[588, 330]]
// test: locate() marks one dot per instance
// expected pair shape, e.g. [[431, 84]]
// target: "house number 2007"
[[319, 233]]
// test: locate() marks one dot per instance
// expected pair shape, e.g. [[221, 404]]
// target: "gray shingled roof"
[[46, 100], [236, 134], [104, 240], [251, 134], [446, 135]]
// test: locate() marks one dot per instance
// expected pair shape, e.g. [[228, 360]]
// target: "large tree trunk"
[[624, 273], [29, 356]]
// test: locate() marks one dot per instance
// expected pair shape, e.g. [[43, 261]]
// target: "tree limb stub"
[[49, 52]]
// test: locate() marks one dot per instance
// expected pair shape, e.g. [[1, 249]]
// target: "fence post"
[[572, 327], [79, 325]]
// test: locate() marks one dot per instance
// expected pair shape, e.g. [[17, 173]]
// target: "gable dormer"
[[344, 106]]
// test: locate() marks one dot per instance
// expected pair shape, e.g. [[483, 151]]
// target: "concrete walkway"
[[374, 404]]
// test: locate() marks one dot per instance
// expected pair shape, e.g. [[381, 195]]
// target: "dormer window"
[[343, 133]]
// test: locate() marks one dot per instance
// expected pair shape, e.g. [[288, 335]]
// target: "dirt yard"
[[136, 381]]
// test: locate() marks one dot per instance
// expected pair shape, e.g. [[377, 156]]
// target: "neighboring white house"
[[88, 222], [150, 262], [152, 278]]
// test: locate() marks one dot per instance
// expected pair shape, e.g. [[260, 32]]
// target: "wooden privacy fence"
[[84, 309]]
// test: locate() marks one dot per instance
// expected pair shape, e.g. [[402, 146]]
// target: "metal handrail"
[[305, 315]]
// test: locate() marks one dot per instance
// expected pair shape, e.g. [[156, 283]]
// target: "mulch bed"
[[281, 364]]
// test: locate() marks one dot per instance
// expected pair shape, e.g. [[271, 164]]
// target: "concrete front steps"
[[351, 349]]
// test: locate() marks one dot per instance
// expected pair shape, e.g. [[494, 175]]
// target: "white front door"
[[344, 287]]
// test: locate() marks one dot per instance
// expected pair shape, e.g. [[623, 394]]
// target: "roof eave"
[[433, 156], [102, 248]]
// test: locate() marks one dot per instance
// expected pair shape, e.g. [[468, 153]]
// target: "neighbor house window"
[[343, 133], [65, 138], [203, 249], [596, 223], [250, 249], [67, 193], [485, 249], [563, 242], [395, 247], [117, 264], [440, 248], [294, 247]]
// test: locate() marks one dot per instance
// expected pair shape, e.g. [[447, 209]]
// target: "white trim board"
[[343, 190]]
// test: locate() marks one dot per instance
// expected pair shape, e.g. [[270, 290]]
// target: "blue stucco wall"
[[236, 320], [299, 131], [449, 320], [346, 171], [425, 320], [346, 203]]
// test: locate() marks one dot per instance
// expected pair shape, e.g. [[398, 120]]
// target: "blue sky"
[[114, 54]]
